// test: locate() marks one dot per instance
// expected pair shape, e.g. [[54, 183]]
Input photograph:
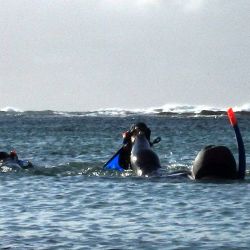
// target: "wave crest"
[[167, 109], [10, 109]]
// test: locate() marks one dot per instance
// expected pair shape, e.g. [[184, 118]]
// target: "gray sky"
[[77, 55]]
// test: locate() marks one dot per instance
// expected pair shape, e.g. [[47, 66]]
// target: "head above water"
[[214, 162], [140, 127], [13, 155]]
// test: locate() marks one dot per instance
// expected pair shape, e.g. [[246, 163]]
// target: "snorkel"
[[241, 148]]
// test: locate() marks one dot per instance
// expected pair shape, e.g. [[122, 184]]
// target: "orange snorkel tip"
[[231, 117]]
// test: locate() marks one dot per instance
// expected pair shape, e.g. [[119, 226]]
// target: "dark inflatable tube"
[[144, 160], [214, 162]]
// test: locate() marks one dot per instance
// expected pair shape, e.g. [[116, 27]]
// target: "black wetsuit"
[[4, 156]]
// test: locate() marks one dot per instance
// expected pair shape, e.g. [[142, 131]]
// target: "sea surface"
[[69, 202]]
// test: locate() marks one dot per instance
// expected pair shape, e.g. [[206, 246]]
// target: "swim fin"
[[113, 162]]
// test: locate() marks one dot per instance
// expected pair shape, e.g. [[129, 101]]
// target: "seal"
[[144, 161]]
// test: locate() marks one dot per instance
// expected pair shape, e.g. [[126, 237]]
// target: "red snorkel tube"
[[241, 148]]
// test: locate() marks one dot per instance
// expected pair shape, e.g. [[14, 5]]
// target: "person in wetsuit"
[[12, 156], [124, 159]]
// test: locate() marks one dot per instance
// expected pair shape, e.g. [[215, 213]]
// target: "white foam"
[[167, 108], [10, 109], [244, 107], [186, 108]]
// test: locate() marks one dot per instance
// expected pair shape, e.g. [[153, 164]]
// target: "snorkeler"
[[218, 162], [12, 158]]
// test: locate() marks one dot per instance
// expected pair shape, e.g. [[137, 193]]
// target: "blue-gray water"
[[69, 202]]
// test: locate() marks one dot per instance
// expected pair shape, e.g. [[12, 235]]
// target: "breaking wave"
[[11, 109], [167, 109]]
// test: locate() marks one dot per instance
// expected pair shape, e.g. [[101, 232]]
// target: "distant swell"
[[165, 110]]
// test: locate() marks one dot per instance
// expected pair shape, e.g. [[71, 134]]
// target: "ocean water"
[[69, 202]]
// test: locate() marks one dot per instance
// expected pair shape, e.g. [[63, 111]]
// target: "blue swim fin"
[[113, 163]]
